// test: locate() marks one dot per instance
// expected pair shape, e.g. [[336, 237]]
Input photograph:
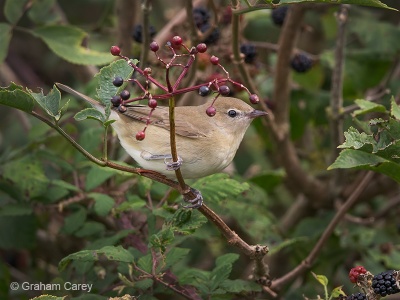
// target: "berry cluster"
[[354, 272], [278, 15], [137, 33], [249, 51], [385, 283], [357, 296], [301, 63], [201, 18], [219, 84]]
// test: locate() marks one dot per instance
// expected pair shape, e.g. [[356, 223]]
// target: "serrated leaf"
[[50, 102], [96, 176], [228, 258], [162, 239], [75, 220], [106, 76], [89, 113], [14, 9], [185, 221], [110, 252], [146, 263], [367, 107], [174, 256], [66, 42], [356, 140], [218, 275], [14, 96], [375, 3], [395, 109], [144, 284], [239, 286], [133, 203], [337, 291], [321, 279], [5, 37], [103, 203]]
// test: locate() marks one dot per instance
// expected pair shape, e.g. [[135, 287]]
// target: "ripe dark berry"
[[152, 103], [137, 33], [249, 51], [115, 50], [211, 111], [301, 63], [140, 135], [385, 283], [214, 35], [354, 272], [176, 40], [357, 296], [200, 16], [125, 95], [118, 81], [201, 47], [116, 100], [278, 15], [154, 46], [224, 90], [254, 99], [214, 60], [204, 90], [122, 108]]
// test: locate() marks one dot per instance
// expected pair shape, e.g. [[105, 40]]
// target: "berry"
[[214, 35], [115, 50], [122, 108], [278, 15], [201, 47], [224, 90], [385, 283], [211, 111], [152, 103], [204, 90], [154, 46], [354, 272], [138, 30], [249, 51], [301, 63], [116, 100], [254, 99], [140, 135], [118, 81], [358, 296], [177, 40], [125, 95], [200, 16], [214, 60]]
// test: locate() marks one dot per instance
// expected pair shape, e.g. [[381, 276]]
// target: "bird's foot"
[[196, 202], [173, 165]]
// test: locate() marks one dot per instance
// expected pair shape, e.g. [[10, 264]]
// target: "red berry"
[[211, 111], [224, 90], [154, 46], [214, 60], [201, 47], [355, 272], [152, 103], [254, 99], [177, 40], [115, 50], [140, 135]]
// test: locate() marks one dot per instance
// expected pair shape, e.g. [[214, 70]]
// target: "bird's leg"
[[173, 165], [193, 203]]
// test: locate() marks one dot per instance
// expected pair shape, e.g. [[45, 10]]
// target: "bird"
[[205, 145]]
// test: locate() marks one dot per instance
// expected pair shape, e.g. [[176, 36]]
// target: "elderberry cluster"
[[201, 18], [357, 296], [385, 283]]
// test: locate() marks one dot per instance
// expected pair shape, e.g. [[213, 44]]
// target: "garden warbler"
[[205, 145]]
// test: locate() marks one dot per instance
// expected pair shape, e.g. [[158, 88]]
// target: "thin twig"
[[146, 7]]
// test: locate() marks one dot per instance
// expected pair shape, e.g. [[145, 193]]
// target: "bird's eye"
[[232, 113]]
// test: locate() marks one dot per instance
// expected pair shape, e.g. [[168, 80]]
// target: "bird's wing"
[[160, 118]]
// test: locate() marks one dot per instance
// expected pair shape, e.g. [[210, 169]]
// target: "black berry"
[[204, 90], [249, 51], [278, 15], [118, 81], [137, 33], [125, 95], [200, 16], [224, 90], [357, 296], [213, 37], [116, 100], [301, 63], [385, 283]]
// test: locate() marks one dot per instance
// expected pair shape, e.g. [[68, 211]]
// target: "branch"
[[125, 15], [146, 34]]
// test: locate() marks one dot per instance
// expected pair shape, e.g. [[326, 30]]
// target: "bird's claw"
[[173, 165], [196, 202]]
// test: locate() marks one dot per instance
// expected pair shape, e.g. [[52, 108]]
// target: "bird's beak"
[[257, 113]]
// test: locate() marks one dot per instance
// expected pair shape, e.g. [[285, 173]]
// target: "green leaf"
[[375, 3], [50, 103], [133, 203], [74, 221], [218, 275], [144, 284], [228, 258], [186, 221], [18, 209], [174, 256], [337, 292], [43, 12], [162, 239], [395, 109], [356, 140], [103, 203], [110, 252], [90, 113], [66, 41], [218, 187], [367, 107], [14, 9], [18, 232], [269, 180], [146, 263], [240, 286], [106, 76], [109, 241], [65, 185], [49, 297], [90, 228], [321, 279], [96, 176], [14, 96], [5, 37]]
